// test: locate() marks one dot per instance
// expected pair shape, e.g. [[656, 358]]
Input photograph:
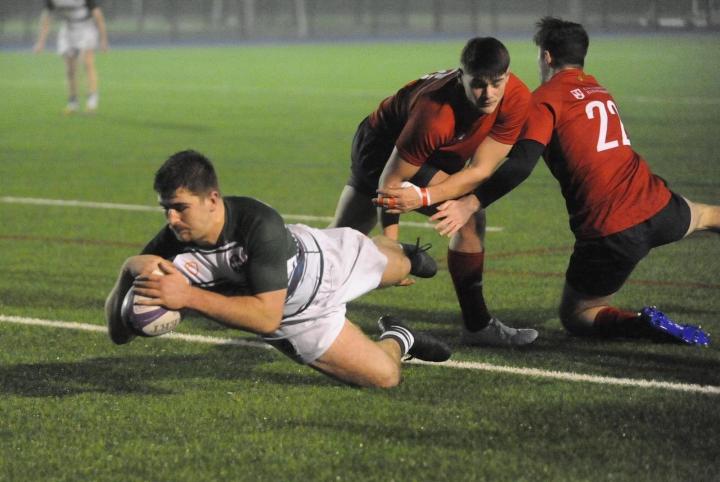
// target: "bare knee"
[[577, 311], [470, 238], [389, 377], [574, 323]]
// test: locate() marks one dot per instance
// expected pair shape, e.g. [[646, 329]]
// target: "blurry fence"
[[139, 21]]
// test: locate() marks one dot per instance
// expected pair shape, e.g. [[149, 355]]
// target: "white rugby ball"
[[147, 320]]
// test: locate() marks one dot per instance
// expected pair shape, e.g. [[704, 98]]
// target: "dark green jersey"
[[254, 254]]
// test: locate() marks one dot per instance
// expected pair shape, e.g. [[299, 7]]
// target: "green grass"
[[278, 121]]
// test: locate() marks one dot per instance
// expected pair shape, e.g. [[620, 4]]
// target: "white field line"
[[527, 372], [140, 207]]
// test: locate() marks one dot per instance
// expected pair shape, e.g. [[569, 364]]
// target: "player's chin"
[[487, 108], [183, 235]]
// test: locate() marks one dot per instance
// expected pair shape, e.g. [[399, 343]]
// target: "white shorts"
[[75, 37], [349, 265]]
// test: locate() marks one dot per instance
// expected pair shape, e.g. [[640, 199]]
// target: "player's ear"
[[214, 198], [547, 58]]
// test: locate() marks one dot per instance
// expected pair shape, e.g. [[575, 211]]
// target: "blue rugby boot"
[[689, 334]]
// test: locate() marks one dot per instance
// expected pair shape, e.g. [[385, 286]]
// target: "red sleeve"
[[540, 123], [513, 112], [429, 127]]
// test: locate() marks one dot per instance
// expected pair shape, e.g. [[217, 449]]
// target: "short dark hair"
[[186, 169], [485, 57], [566, 41]]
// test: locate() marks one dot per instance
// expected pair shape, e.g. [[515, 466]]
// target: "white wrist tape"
[[422, 192]]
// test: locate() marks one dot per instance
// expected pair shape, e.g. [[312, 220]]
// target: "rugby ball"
[[146, 320]]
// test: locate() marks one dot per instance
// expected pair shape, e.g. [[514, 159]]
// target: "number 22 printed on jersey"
[[603, 143]]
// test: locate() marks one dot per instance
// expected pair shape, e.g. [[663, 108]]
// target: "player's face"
[[485, 93], [190, 217]]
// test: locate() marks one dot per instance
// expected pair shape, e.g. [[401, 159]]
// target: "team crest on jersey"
[[192, 267], [578, 94]]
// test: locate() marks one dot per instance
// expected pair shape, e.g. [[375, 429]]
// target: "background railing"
[[141, 21]]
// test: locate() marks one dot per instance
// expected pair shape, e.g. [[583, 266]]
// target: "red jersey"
[[431, 119], [607, 186]]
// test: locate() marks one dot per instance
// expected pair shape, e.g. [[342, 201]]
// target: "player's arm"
[[258, 313], [102, 29], [523, 158], [43, 31], [395, 172], [489, 155], [521, 161]]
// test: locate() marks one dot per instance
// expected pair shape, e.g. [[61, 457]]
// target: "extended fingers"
[[387, 202], [147, 296]]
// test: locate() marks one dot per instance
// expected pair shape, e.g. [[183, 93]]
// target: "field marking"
[[522, 371], [156, 209]]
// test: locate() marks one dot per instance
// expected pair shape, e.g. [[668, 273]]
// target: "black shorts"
[[370, 152], [600, 266]]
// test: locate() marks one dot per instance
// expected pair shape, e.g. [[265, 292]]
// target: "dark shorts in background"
[[369, 154], [600, 266]]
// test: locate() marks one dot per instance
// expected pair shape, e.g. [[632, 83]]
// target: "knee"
[[576, 320], [574, 325], [388, 379], [384, 375]]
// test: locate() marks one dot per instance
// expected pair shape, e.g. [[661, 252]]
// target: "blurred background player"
[[81, 33], [427, 130], [235, 261], [619, 210]]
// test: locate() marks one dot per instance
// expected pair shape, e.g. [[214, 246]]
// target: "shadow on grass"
[[142, 374], [557, 350]]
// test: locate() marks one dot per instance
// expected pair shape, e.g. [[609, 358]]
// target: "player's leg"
[[92, 80], [466, 259], [597, 270], [354, 210], [70, 59], [703, 217], [403, 260], [355, 359], [589, 315], [369, 153], [599, 267], [398, 265]]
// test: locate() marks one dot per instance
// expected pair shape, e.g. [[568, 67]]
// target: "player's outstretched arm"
[[259, 313], [489, 155], [520, 163]]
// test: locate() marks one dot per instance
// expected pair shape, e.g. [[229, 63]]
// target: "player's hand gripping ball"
[[147, 320]]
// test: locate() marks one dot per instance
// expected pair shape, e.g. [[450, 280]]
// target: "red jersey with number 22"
[[607, 186]]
